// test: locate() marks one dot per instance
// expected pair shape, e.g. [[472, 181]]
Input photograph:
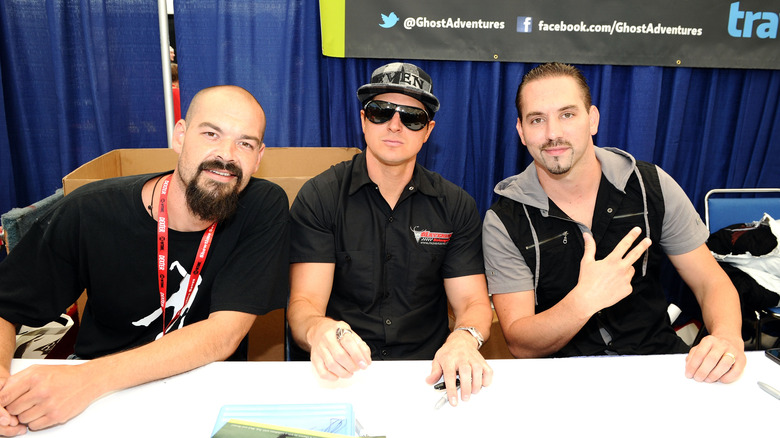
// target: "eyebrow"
[[562, 109], [219, 130]]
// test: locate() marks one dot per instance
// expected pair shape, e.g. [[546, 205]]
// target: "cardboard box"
[[288, 167]]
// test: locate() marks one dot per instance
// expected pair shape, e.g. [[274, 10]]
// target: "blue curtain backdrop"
[[80, 78], [707, 127]]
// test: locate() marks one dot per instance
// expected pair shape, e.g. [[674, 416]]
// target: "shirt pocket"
[[354, 278], [622, 223], [424, 282], [557, 252]]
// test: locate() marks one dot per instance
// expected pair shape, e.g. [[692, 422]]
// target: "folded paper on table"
[[335, 418], [248, 429]]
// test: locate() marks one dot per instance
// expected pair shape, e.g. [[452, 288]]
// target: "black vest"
[[638, 324]]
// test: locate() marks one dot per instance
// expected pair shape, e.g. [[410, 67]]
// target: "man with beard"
[[558, 244], [176, 267]]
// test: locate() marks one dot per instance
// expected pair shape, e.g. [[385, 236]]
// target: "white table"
[[609, 396]]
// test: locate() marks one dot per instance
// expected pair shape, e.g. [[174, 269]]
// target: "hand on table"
[[460, 358], [716, 359], [42, 396], [337, 357], [9, 424]]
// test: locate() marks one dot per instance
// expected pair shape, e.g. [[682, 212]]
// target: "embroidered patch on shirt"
[[425, 237]]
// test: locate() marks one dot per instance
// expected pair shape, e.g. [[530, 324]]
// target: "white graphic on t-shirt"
[[176, 300]]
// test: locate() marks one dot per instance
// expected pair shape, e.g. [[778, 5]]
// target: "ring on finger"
[[341, 332], [731, 355]]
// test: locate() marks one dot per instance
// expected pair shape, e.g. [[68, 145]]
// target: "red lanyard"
[[162, 255]]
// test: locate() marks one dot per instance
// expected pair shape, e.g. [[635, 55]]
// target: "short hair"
[[551, 70]]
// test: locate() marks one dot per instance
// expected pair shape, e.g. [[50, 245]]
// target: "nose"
[[553, 128], [226, 149], [395, 123]]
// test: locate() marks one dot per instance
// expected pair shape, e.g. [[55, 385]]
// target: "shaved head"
[[233, 92]]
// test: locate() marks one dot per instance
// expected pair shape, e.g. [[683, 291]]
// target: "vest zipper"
[[627, 215], [565, 236]]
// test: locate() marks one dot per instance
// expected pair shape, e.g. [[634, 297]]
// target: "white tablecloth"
[[605, 396]]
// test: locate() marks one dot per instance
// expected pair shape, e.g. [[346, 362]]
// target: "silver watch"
[[474, 332]]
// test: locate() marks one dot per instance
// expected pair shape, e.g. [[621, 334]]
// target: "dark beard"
[[218, 201]]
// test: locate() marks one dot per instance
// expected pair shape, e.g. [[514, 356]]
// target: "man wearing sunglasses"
[[381, 245]]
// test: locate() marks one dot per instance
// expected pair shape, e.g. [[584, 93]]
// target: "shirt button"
[[390, 219], [388, 321], [411, 187], [385, 353], [609, 210], [388, 257]]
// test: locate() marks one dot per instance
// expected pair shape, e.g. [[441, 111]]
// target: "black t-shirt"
[[390, 263], [101, 238]]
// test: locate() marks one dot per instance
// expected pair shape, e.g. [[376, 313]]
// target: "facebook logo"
[[524, 24]]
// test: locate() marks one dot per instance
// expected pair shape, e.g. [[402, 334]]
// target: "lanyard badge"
[[162, 255]]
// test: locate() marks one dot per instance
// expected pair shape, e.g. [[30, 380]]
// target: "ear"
[[594, 117], [363, 120], [178, 136], [519, 128], [431, 124], [259, 158]]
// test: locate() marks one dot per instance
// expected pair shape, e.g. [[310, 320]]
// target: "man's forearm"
[[477, 315], [182, 350], [303, 318], [7, 346], [470, 303], [529, 338], [545, 333], [721, 311], [310, 288]]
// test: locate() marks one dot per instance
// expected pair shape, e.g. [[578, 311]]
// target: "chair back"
[[722, 208]]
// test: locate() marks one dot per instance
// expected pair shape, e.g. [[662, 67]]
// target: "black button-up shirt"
[[390, 263]]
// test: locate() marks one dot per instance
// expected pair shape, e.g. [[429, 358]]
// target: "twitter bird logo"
[[389, 21]]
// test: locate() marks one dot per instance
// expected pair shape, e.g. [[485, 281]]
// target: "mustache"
[[555, 143], [220, 165]]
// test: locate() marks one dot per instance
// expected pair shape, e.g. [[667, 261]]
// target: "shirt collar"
[[420, 178]]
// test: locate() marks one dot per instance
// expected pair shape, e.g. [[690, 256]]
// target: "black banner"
[[689, 33]]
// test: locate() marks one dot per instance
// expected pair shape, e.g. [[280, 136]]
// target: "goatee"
[[557, 167], [217, 201]]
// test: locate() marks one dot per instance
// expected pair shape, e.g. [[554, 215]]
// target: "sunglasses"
[[378, 112]]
